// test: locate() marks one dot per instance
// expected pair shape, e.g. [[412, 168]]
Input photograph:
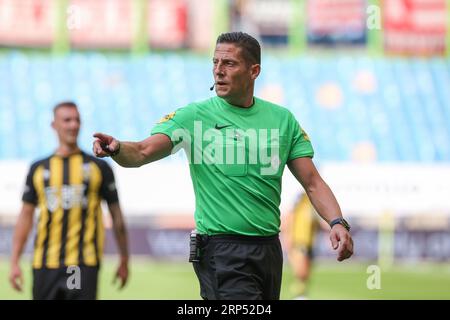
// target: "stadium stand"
[[398, 107]]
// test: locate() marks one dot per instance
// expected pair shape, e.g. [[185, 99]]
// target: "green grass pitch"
[[329, 280]]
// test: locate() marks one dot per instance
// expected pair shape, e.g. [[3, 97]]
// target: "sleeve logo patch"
[[305, 135], [167, 117]]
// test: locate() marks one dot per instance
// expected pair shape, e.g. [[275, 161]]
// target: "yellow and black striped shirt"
[[305, 223], [68, 191]]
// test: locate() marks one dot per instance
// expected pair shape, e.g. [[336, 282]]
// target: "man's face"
[[233, 76], [67, 124]]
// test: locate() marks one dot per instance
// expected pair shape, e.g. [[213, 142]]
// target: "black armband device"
[[194, 246], [340, 221]]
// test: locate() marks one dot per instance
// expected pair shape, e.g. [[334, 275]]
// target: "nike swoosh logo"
[[221, 127]]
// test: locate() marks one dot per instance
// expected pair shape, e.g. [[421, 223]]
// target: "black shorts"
[[65, 284], [240, 268]]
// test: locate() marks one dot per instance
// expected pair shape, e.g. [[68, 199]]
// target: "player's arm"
[[21, 232], [324, 201], [132, 154], [120, 232]]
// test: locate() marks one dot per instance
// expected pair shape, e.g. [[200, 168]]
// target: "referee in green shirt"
[[237, 146]]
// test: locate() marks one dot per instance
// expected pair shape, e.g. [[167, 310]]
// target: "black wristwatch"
[[340, 221]]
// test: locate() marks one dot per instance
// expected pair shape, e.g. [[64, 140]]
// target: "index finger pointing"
[[103, 137]]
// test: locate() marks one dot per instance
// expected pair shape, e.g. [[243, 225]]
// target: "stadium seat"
[[404, 109]]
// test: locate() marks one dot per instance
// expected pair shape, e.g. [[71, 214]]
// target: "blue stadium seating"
[[404, 113]]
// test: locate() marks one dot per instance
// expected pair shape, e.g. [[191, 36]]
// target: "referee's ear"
[[255, 70]]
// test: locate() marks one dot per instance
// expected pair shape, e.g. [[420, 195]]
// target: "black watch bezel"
[[340, 221]]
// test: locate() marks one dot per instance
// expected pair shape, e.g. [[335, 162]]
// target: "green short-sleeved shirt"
[[237, 157]]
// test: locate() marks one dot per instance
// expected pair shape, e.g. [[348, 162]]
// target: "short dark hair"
[[64, 104], [251, 49]]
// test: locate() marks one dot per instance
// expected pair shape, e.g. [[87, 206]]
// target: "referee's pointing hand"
[[104, 145]]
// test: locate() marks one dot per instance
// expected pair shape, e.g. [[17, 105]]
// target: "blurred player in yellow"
[[301, 227], [68, 187]]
